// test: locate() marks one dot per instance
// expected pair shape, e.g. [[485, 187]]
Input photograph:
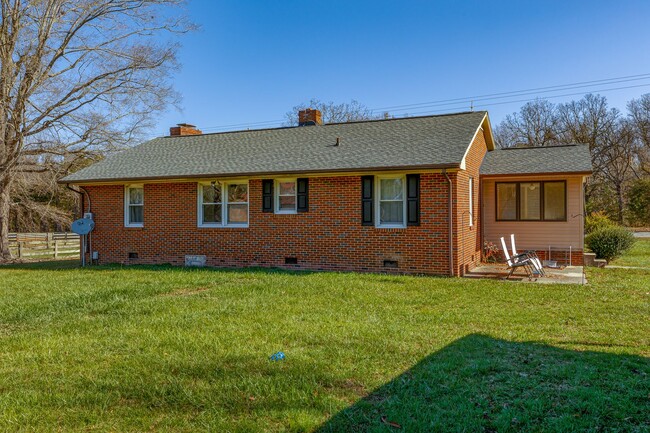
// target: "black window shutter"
[[413, 199], [367, 186], [302, 194], [267, 195]]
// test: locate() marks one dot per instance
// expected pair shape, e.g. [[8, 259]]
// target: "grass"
[[167, 349], [639, 255]]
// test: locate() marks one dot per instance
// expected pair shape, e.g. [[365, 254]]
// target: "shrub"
[[490, 252], [596, 221], [638, 202], [610, 242]]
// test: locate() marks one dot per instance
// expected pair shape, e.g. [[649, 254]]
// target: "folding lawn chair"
[[519, 261], [532, 255]]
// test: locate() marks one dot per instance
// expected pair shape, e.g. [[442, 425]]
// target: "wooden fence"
[[23, 245]]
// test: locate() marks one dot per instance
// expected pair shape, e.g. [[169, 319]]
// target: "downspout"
[[481, 216], [84, 194], [451, 223]]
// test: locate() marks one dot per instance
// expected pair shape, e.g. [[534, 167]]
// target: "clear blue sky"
[[252, 61]]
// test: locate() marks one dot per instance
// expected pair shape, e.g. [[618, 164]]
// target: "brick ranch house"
[[412, 195]]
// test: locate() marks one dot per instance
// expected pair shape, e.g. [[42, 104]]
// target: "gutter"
[[263, 174], [547, 173], [451, 224]]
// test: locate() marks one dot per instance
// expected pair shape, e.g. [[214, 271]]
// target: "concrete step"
[[589, 259]]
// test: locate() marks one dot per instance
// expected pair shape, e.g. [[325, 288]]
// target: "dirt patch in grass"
[[186, 291]]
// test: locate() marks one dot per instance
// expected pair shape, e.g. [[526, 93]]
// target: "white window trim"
[[276, 196], [471, 201], [224, 205], [127, 205], [378, 201]]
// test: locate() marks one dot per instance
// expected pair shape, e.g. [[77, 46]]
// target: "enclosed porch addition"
[[537, 194]]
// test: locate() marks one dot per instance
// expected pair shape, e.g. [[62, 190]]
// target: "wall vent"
[[390, 263], [291, 260], [133, 255]]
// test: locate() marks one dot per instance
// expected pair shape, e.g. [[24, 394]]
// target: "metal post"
[[83, 250]]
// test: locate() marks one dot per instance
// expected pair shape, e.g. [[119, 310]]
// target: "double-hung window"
[[391, 208], [285, 200], [223, 204], [134, 206]]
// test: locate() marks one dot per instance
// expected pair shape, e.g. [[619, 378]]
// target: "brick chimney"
[[184, 129], [309, 117]]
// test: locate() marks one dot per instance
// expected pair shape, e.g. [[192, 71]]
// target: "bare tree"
[[335, 113], [618, 152], [536, 124], [78, 77], [589, 121], [639, 117]]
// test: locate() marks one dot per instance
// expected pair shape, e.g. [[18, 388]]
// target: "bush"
[[596, 221], [638, 202], [610, 242]]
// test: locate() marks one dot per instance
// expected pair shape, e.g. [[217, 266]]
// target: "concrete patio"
[[562, 275]]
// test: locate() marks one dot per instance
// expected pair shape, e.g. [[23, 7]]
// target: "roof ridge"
[[543, 147], [459, 113]]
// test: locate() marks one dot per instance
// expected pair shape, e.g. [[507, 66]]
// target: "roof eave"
[[259, 174], [548, 173]]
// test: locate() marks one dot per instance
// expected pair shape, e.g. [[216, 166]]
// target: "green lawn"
[[161, 349], [638, 256]]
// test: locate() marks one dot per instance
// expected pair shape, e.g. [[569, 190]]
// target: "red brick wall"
[[467, 239], [329, 237]]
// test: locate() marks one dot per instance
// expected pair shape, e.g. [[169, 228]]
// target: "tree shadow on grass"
[[68, 264], [43, 265], [479, 383]]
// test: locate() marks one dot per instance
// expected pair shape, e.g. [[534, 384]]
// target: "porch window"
[[391, 211], [134, 205], [223, 204], [506, 201], [531, 201], [555, 201]]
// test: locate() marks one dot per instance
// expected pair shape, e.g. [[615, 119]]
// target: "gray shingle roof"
[[532, 160], [426, 142]]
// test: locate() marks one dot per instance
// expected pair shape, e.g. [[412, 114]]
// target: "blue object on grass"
[[277, 356]]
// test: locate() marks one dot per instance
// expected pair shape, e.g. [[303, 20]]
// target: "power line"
[[545, 89], [525, 100], [511, 95], [591, 86]]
